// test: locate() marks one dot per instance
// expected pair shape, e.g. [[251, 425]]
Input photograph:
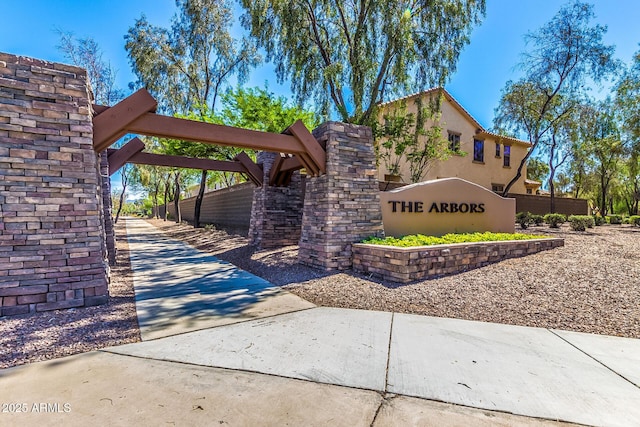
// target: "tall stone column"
[[51, 234], [343, 206], [276, 212]]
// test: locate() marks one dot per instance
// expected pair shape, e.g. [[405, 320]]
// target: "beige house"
[[482, 157]]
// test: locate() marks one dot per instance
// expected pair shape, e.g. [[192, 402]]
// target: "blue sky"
[[27, 28]]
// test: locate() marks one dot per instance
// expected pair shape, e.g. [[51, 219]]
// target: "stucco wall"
[[485, 174]]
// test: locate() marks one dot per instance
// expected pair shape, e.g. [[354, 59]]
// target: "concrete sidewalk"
[[290, 363]]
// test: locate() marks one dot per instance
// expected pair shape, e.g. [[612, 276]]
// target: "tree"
[[628, 108], [537, 170], [185, 67], [628, 100], [417, 138], [353, 54], [600, 132], [565, 53], [86, 53]]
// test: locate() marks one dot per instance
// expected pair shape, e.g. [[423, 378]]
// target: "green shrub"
[[537, 219], [580, 222], [635, 219], [422, 240], [598, 220], [524, 219], [614, 219], [554, 220]]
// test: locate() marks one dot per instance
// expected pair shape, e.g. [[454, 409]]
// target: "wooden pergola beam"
[[253, 171], [135, 114], [119, 158], [275, 170], [209, 133], [312, 148], [112, 124], [183, 162]]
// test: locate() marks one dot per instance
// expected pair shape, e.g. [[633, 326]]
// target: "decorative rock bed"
[[405, 265]]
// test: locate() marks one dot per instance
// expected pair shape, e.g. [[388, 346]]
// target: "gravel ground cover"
[[592, 284], [53, 334]]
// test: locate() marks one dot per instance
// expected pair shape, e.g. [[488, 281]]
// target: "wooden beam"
[[291, 164], [253, 170], [97, 109], [111, 124], [275, 169], [184, 162], [119, 158], [311, 146], [208, 133]]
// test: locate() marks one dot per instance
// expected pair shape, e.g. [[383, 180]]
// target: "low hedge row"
[[577, 222], [422, 240]]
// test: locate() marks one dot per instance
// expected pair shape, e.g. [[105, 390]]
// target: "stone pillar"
[[51, 235], [276, 212], [343, 206], [107, 208]]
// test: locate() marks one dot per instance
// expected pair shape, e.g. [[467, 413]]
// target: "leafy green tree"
[[628, 107], [601, 134], [537, 170], [186, 66], [253, 108], [580, 169], [564, 54], [259, 109], [628, 100], [354, 54]]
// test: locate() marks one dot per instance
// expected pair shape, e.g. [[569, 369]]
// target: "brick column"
[[343, 206], [276, 212], [51, 235]]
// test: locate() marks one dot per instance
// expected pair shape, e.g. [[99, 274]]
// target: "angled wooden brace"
[[119, 157], [111, 124], [314, 155], [275, 169], [254, 172]]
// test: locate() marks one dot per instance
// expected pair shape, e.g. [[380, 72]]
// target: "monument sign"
[[448, 205]]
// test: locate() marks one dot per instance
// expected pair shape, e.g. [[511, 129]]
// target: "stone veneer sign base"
[[406, 265]]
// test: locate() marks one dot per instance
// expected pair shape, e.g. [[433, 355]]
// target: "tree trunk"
[[156, 211], [603, 195], [124, 188], [552, 197], [198, 207], [167, 191], [176, 199]]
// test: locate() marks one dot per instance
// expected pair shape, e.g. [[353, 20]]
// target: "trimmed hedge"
[[635, 219], [524, 219], [554, 220], [422, 240], [581, 222], [537, 219]]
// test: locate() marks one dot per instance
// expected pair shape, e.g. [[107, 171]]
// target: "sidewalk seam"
[[386, 372], [596, 360]]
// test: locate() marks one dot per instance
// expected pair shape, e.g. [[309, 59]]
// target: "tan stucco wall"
[[490, 172]]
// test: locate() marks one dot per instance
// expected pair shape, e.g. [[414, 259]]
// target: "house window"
[[529, 191], [454, 141], [478, 150], [498, 150], [497, 188], [507, 156]]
